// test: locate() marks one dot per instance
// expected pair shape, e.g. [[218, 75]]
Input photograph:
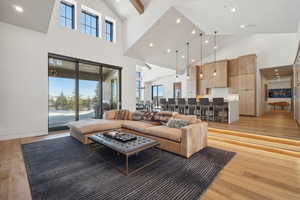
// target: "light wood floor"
[[273, 123], [251, 174]]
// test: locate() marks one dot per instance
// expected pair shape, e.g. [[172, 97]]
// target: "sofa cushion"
[[191, 119], [163, 116], [136, 125], [94, 125], [173, 134]]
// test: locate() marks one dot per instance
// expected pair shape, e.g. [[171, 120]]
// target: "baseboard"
[[17, 135]]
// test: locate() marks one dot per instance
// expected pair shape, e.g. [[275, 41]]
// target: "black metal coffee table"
[[128, 149]]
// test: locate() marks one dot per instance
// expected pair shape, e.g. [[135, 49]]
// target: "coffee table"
[[128, 149]]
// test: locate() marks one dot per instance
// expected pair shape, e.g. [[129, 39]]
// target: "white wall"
[[24, 69]]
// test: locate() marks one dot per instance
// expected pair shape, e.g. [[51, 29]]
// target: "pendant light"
[[215, 53], [187, 60], [201, 55], [176, 64]]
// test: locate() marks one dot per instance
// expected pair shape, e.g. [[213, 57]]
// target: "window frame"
[[73, 9], [91, 15], [111, 34]]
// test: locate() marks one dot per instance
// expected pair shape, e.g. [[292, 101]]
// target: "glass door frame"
[[77, 61]]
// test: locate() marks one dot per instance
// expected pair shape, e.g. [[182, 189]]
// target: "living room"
[[77, 120]]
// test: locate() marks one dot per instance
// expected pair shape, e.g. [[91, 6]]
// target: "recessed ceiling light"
[[168, 50], [178, 21], [193, 60], [182, 56], [233, 10], [18, 8], [215, 47], [151, 45], [243, 26], [193, 32], [206, 41]]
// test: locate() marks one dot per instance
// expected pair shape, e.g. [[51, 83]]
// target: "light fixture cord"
[[176, 63], [188, 58], [215, 47]]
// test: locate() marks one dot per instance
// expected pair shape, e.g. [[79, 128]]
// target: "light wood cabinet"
[[234, 84], [221, 78], [242, 81], [247, 64], [247, 82], [233, 67], [247, 102]]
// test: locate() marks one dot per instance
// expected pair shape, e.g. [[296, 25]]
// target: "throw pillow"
[[137, 116], [122, 115], [149, 116], [176, 123]]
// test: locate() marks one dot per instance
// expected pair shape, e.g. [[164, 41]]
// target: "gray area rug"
[[64, 169]]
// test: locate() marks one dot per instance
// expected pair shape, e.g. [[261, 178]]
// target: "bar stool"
[[163, 104], [204, 106], [219, 109], [191, 107], [171, 105], [181, 105]]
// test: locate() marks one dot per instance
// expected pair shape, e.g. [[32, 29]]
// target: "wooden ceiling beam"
[[139, 6]]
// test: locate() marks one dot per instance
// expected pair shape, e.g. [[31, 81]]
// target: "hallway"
[[273, 123]]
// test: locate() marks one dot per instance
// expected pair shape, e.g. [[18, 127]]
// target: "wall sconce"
[[215, 73]]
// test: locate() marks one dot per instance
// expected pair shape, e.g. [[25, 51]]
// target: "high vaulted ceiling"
[[249, 17], [36, 15], [124, 8], [166, 34], [258, 16]]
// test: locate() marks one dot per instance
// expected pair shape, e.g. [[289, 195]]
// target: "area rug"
[[64, 169]]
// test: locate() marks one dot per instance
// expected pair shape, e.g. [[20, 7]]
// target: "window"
[[138, 86], [89, 24], [109, 30], [66, 15], [157, 94]]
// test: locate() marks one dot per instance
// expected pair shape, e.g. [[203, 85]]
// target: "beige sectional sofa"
[[185, 141]]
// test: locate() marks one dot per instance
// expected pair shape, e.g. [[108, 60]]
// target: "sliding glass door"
[[89, 91], [80, 89], [111, 89], [61, 102]]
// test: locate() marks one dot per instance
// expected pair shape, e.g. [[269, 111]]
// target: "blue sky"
[[56, 85]]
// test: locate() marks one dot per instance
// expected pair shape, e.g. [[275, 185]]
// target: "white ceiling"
[[124, 8], [261, 16], [36, 15], [167, 34]]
